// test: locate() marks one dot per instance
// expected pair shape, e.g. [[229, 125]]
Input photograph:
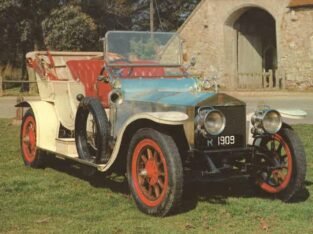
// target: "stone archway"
[[251, 47]]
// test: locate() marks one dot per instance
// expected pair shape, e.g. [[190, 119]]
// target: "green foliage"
[[109, 14], [169, 14], [20, 31], [68, 28], [144, 49], [9, 30]]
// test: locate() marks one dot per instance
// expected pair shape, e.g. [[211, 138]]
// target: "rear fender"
[[47, 123]]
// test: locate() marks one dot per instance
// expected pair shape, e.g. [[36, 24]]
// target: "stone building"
[[251, 44]]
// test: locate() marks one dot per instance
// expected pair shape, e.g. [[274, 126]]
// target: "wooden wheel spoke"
[[141, 180], [144, 158], [161, 173], [284, 159], [150, 190], [150, 155], [276, 181], [160, 183], [280, 177], [155, 156], [280, 180], [160, 165], [156, 190], [279, 148]]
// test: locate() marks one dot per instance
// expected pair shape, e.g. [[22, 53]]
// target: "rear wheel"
[[32, 156], [285, 163], [154, 171]]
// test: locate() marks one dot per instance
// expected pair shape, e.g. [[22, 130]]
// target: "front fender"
[[166, 118], [47, 123]]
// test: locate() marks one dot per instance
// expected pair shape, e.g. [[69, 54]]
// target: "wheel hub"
[[152, 171]]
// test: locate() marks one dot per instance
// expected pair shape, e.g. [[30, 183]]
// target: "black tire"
[[156, 188], [32, 156], [100, 154], [290, 153]]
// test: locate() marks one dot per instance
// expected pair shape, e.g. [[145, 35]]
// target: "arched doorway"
[[255, 48]]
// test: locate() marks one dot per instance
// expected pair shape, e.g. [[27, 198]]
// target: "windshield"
[[143, 49]]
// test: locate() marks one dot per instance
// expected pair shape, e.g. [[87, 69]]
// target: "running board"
[[66, 146], [66, 149], [100, 167]]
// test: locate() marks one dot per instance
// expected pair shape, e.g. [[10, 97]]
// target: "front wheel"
[[284, 166], [154, 171]]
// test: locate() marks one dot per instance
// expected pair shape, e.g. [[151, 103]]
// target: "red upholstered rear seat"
[[88, 71]]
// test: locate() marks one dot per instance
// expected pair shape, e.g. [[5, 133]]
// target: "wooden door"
[[249, 61]]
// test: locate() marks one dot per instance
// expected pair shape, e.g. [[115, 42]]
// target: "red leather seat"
[[88, 71]]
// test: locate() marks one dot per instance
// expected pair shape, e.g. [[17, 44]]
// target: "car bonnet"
[[173, 92]]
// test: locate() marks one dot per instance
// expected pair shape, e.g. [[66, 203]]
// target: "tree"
[[68, 28], [108, 14], [20, 29], [169, 14], [9, 21]]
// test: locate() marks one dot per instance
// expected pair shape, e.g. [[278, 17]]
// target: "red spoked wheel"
[[276, 180], [154, 171], [29, 146], [285, 164], [149, 172], [31, 155]]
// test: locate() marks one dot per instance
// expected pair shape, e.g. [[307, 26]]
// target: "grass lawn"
[[61, 199]]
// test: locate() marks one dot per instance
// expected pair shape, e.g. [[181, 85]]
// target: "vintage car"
[[136, 106]]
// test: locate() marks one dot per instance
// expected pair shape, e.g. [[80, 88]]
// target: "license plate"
[[222, 141]]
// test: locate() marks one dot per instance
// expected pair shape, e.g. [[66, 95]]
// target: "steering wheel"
[[122, 61], [101, 75]]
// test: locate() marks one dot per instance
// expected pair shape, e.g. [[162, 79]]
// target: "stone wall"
[[209, 35], [297, 43]]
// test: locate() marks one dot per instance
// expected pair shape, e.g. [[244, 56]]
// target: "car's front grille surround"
[[235, 126]]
